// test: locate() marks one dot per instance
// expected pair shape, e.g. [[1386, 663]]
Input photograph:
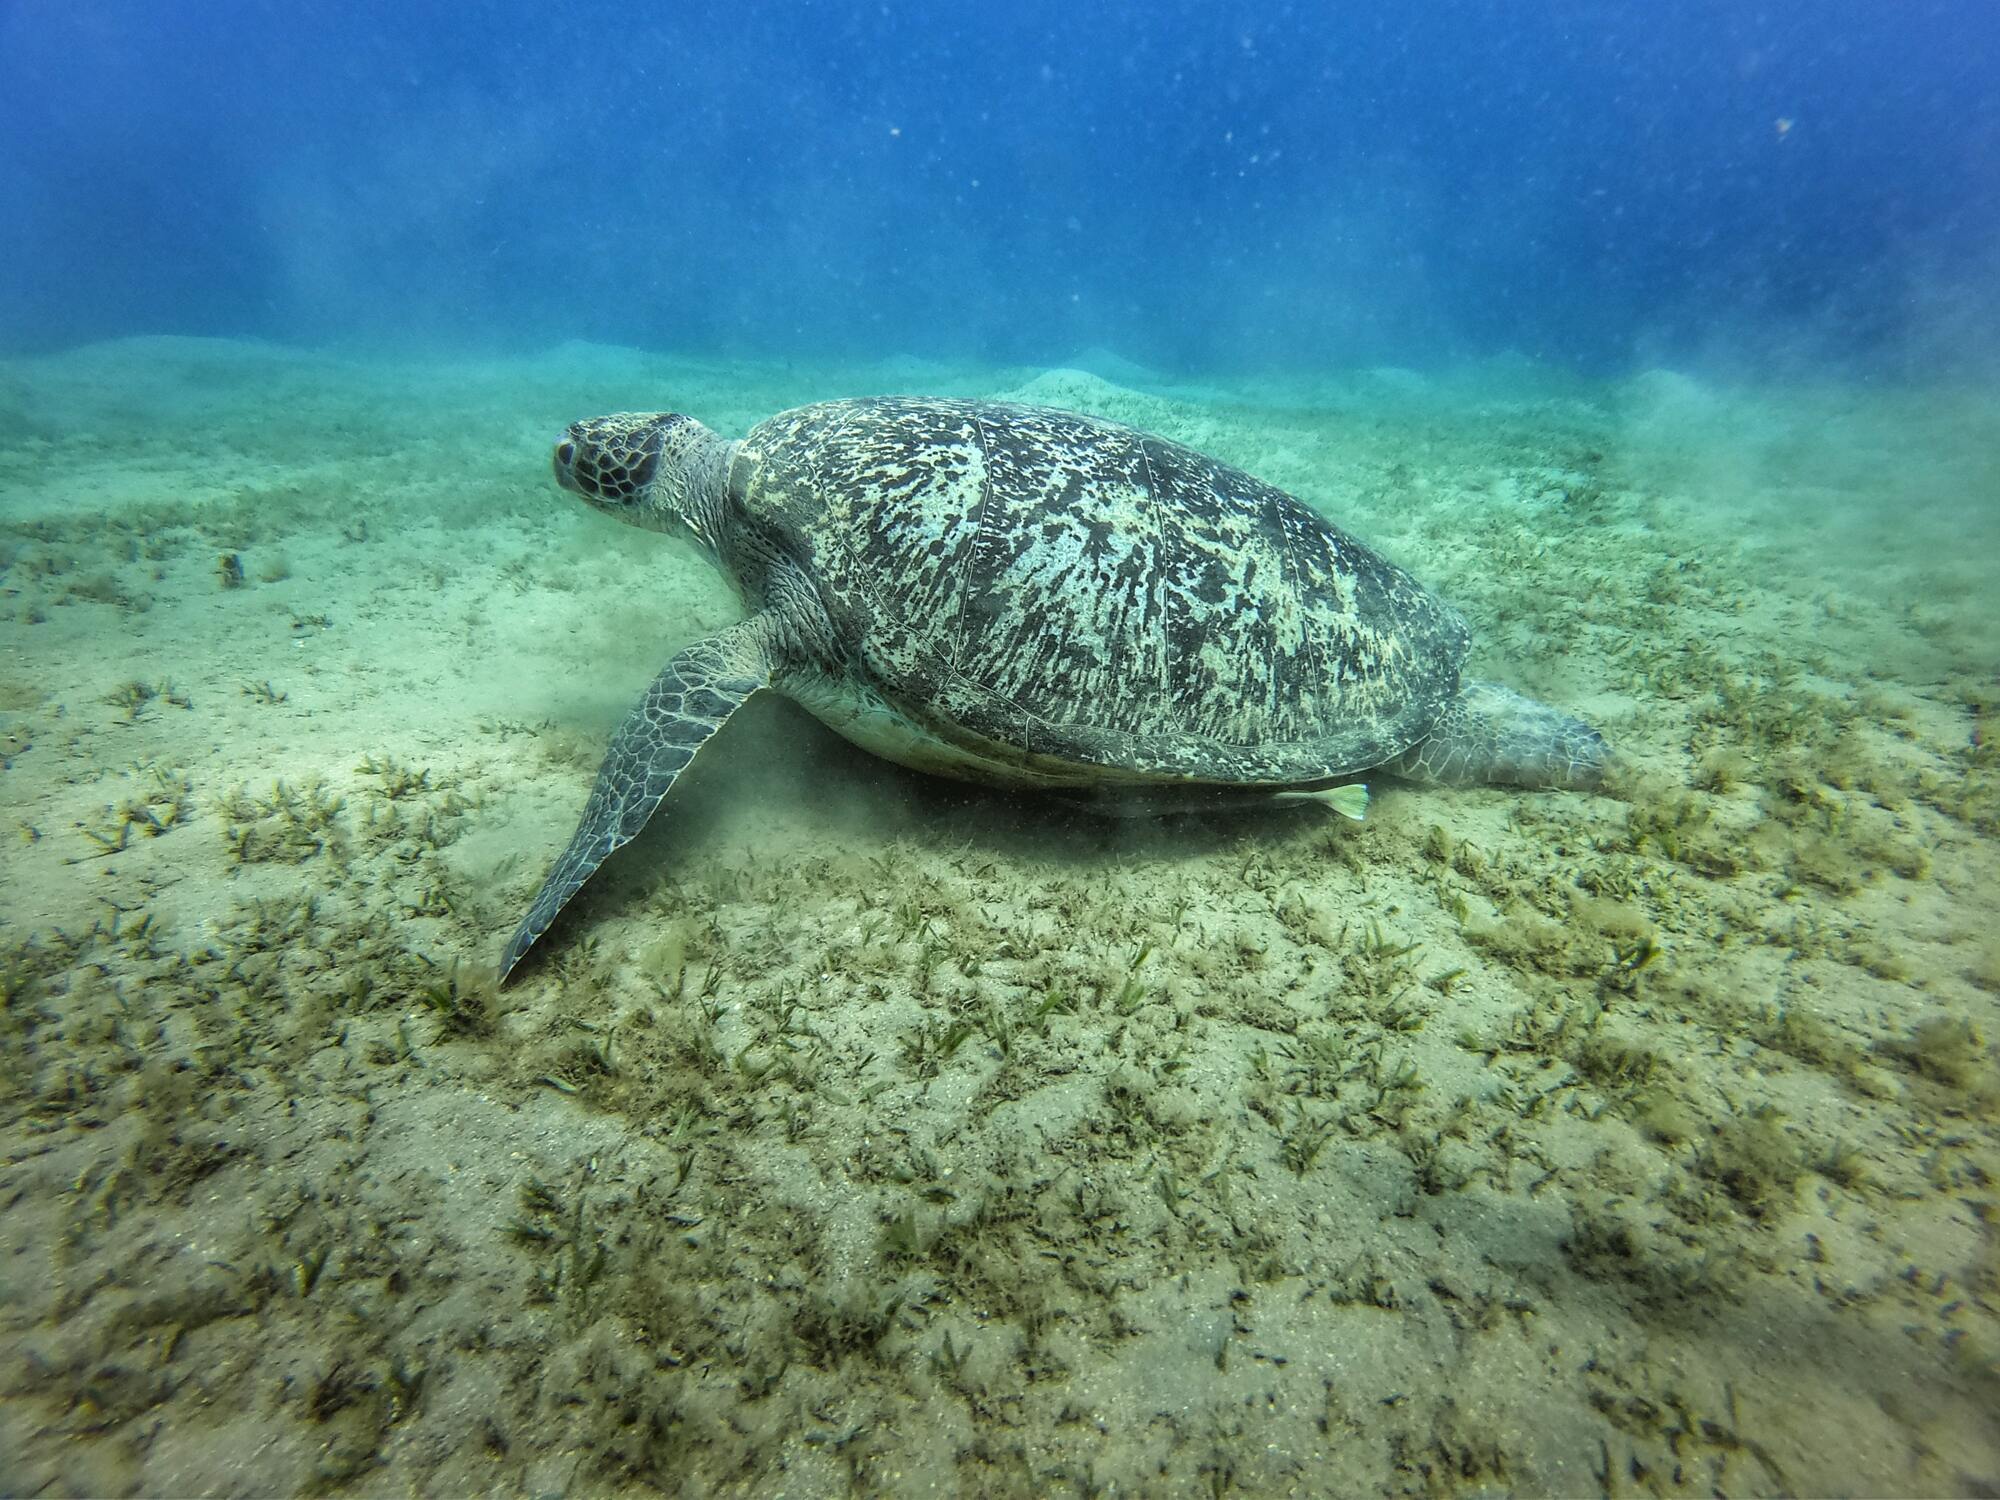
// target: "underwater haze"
[[1198, 186], [1578, 1128]]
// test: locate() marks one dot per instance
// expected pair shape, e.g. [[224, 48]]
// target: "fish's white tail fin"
[[1350, 801]]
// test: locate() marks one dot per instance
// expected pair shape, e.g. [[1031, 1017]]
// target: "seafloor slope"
[[862, 1131]]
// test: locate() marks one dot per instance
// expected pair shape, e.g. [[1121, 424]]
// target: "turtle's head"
[[659, 470]]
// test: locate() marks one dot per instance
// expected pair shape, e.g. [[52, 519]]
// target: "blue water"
[[1193, 185]]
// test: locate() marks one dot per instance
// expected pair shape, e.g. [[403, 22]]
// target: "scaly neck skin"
[[694, 488]]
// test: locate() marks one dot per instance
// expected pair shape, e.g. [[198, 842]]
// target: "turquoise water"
[[856, 1129]]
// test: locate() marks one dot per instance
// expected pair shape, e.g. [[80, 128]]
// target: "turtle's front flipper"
[[703, 685]]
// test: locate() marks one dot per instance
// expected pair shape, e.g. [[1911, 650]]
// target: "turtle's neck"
[[700, 489]]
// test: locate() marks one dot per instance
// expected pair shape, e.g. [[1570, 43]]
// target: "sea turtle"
[[1029, 597]]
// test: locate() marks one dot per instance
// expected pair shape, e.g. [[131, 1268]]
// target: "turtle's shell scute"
[[1076, 592]]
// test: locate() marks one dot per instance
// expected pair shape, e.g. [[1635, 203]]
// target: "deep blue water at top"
[[1195, 184]]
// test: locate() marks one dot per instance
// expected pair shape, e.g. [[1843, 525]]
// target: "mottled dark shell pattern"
[[1075, 592]]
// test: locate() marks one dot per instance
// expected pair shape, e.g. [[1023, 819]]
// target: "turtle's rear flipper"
[[703, 685], [1491, 735]]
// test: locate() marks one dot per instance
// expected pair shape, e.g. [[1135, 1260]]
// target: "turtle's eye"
[[565, 453]]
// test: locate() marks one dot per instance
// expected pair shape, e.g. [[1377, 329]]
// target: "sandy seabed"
[[860, 1132]]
